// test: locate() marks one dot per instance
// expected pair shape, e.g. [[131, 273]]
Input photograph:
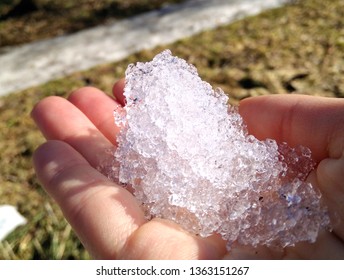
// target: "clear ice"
[[188, 157]]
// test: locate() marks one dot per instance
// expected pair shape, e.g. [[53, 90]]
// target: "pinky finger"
[[118, 90]]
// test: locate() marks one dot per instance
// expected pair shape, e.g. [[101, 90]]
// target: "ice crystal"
[[188, 157]]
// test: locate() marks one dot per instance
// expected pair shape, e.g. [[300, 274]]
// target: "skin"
[[108, 219]]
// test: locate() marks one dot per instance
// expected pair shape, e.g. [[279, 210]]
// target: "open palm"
[[108, 219]]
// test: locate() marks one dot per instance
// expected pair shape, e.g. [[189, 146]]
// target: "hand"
[[317, 123], [108, 219]]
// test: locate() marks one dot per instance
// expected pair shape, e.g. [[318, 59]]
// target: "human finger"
[[118, 90], [315, 122], [330, 176], [102, 214], [98, 107], [58, 119]]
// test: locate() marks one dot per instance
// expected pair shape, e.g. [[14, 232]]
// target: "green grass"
[[298, 48]]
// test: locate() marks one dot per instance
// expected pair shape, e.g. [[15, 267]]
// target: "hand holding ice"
[[189, 158]]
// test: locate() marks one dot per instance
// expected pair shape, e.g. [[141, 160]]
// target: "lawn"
[[295, 49]]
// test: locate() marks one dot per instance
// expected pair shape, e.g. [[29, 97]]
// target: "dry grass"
[[298, 48]]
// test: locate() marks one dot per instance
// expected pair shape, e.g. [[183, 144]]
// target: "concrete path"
[[39, 62]]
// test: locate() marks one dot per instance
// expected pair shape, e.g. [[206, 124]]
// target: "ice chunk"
[[188, 158]]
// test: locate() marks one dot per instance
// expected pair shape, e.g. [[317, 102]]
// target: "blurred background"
[[297, 48]]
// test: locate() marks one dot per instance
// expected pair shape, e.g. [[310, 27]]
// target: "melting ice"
[[189, 158]]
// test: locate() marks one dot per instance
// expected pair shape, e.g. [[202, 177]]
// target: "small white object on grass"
[[9, 220]]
